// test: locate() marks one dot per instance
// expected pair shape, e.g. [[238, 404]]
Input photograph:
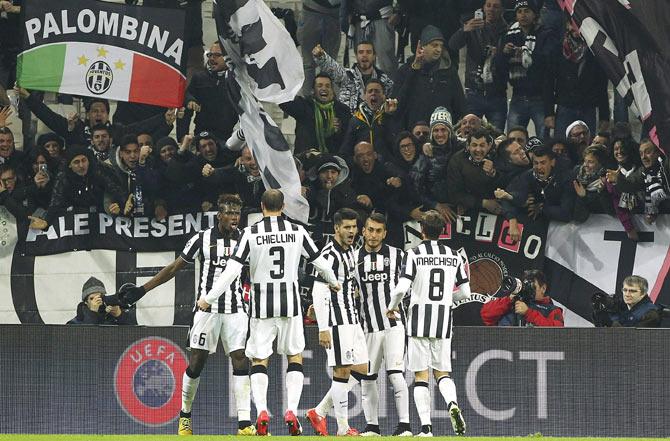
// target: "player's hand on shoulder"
[[393, 314], [335, 288], [202, 304]]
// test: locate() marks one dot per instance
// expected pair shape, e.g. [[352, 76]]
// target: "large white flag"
[[266, 66]]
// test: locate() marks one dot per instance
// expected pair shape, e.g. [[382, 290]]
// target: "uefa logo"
[[99, 77], [148, 380]]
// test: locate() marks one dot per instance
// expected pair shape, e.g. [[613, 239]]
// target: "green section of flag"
[[41, 68]]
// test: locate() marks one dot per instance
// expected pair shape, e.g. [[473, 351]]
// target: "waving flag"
[[631, 40], [100, 49], [265, 66]]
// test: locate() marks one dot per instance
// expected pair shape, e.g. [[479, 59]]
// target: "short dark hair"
[[6, 131], [88, 103], [536, 275], [99, 127], [127, 140], [273, 200], [432, 224], [481, 132], [544, 150], [229, 199], [374, 80], [4, 168], [378, 217], [322, 75], [344, 214], [518, 129], [366, 42]]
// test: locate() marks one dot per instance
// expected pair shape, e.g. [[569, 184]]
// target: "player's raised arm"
[[311, 252]]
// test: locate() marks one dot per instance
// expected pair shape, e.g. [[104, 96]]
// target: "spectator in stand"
[[561, 149], [421, 131], [579, 137], [40, 183], [320, 120], [144, 138], [54, 145], [77, 131], [351, 82], [595, 194], [576, 84], [512, 311], [102, 143], [407, 152], [93, 311], [512, 160], [633, 309], [206, 96], [472, 177], [84, 184], [485, 89], [518, 134], [466, 126], [136, 176], [186, 168], [377, 189], [545, 191], [653, 178], [626, 153], [431, 168], [373, 122], [374, 21], [174, 196], [9, 155], [242, 178], [320, 26], [428, 80], [522, 60], [17, 198], [603, 138], [329, 190]]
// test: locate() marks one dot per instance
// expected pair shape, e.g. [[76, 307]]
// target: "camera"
[[479, 14], [524, 290], [602, 302], [112, 300], [42, 168]]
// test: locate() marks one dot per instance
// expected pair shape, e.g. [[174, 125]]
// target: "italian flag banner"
[[109, 51]]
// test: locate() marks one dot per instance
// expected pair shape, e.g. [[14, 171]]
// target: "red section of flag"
[[153, 82]]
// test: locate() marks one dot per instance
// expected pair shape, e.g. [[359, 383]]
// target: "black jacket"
[[87, 317], [467, 183], [302, 109], [378, 131]]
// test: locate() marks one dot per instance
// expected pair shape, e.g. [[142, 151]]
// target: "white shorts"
[[347, 346], [262, 333], [424, 352], [209, 326], [388, 345]]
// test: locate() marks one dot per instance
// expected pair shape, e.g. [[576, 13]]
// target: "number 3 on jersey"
[[436, 285], [277, 271]]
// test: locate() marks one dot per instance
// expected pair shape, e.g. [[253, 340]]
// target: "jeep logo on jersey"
[[220, 262], [375, 277], [99, 77], [147, 380]]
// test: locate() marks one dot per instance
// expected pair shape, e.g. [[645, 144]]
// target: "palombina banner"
[[106, 50], [630, 39]]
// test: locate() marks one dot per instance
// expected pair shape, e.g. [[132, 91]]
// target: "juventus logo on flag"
[[265, 66]]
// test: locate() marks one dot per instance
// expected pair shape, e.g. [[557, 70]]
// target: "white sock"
[[370, 401], [340, 394], [422, 401], [189, 387], [326, 402], [294, 381], [242, 392], [447, 389], [259, 388], [401, 395]]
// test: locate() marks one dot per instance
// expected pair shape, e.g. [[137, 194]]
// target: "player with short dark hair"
[[273, 248], [226, 318], [432, 270]]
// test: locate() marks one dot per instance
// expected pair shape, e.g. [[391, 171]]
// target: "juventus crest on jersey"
[[213, 251], [434, 270], [273, 248], [377, 273], [343, 310]]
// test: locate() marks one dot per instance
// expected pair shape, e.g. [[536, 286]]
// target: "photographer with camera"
[[525, 305], [97, 308], [633, 308]]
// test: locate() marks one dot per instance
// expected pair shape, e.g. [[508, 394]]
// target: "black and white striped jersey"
[[213, 251], [434, 270], [377, 273], [343, 309], [273, 248]]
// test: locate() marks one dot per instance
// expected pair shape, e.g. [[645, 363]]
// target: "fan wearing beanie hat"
[[440, 126], [92, 286], [96, 309]]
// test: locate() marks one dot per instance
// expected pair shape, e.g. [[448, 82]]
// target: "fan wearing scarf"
[[320, 120], [594, 193]]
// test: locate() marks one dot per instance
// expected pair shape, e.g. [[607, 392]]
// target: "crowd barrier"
[[510, 382]]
